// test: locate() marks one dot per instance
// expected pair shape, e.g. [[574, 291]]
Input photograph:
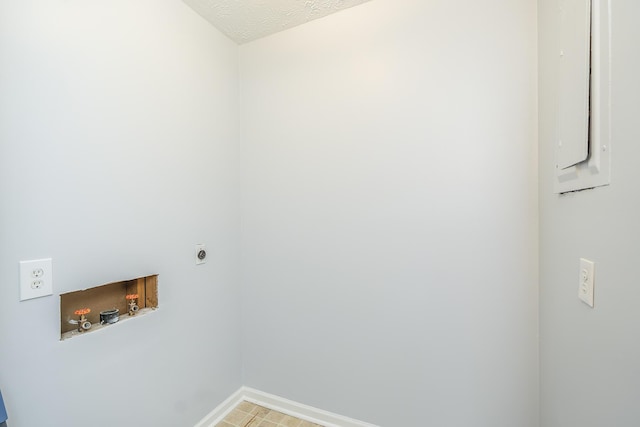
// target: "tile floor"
[[250, 415]]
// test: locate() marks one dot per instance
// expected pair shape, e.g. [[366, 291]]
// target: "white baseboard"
[[222, 410], [281, 404]]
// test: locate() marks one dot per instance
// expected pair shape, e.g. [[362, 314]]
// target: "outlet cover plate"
[[586, 281], [36, 279]]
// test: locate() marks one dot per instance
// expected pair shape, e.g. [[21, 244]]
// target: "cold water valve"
[[133, 306], [82, 322]]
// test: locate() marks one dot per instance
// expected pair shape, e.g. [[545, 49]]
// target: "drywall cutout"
[[583, 144], [92, 309]]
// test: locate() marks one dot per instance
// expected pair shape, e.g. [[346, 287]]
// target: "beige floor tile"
[[253, 422], [246, 406], [260, 411], [274, 416], [289, 421], [247, 414], [236, 417]]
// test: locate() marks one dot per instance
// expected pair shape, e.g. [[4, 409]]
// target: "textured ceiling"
[[246, 20]]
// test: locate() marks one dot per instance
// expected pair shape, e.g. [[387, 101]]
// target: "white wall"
[[390, 213], [589, 357], [118, 152]]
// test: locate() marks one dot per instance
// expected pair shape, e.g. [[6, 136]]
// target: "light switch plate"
[[586, 281], [36, 278]]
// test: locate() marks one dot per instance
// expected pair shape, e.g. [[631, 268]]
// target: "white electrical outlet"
[[36, 279], [586, 281], [201, 254]]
